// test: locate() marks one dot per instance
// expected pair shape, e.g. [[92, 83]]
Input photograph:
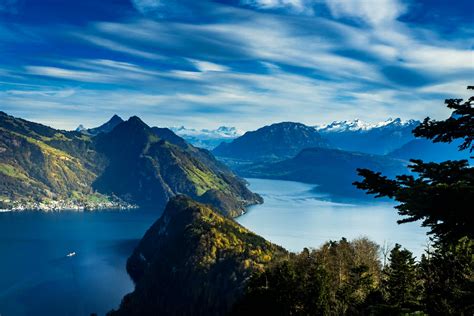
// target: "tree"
[[448, 279], [297, 285], [401, 282], [459, 125], [442, 195], [333, 280]]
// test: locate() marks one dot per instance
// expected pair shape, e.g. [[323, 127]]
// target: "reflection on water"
[[295, 216]]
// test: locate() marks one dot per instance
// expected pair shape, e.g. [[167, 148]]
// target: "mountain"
[[148, 170], [131, 164], [333, 170], [206, 138], [277, 141], [381, 138], [426, 150], [193, 261], [42, 165], [104, 128], [170, 136]]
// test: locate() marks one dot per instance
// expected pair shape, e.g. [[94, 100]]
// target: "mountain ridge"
[[271, 142], [104, 128], [380, 138], [196, 256], [333, 170], [131, 164]]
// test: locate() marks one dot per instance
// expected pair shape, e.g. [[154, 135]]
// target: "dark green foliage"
[[459, 126], [401, 281], [441, 196], [443, 193], [297, 285], [448, 274], [336, 279]]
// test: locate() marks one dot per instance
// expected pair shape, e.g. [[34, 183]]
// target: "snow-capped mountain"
[[358, 125], [207, 138], [221, 132], [379, 138]]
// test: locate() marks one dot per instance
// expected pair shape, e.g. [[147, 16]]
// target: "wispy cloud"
[[205, 66], [69, 74], [246, 64], [373, 12], [43, 93], [297, 6], [116, 46]]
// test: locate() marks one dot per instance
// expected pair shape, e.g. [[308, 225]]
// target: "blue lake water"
[[295, 216], [37, 277]]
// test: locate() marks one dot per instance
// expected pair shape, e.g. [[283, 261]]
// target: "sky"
[[243, 63]]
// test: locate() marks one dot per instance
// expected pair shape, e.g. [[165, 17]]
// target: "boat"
[[71, 254]]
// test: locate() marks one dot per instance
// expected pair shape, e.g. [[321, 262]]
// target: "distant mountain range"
[[387, 137], [392, 137], [428, 151], [129, 163], [274, 142], [193, 261], [381, 138], [206, 138], [333, 170], [329, 155]]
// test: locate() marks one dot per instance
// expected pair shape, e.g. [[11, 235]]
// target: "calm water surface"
[[37, 277], [295, 216]]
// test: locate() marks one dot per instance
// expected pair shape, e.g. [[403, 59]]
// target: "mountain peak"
[[114, 120], [276, 141], [135, 120], [104, 128], [359, 125], [81, 128], [133, 125]]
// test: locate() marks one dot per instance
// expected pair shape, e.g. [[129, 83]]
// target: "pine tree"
[[442, 195], [401, 282], [448, 279]]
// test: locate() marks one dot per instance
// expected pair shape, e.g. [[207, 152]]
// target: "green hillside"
[[45, 168], [193, 254]]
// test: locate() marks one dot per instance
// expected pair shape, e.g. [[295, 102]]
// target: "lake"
[[295, 215], [38, 278]]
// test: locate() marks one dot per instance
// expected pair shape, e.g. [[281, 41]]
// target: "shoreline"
[[59, 206]]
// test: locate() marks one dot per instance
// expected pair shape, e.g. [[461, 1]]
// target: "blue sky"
[[243, 63]]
